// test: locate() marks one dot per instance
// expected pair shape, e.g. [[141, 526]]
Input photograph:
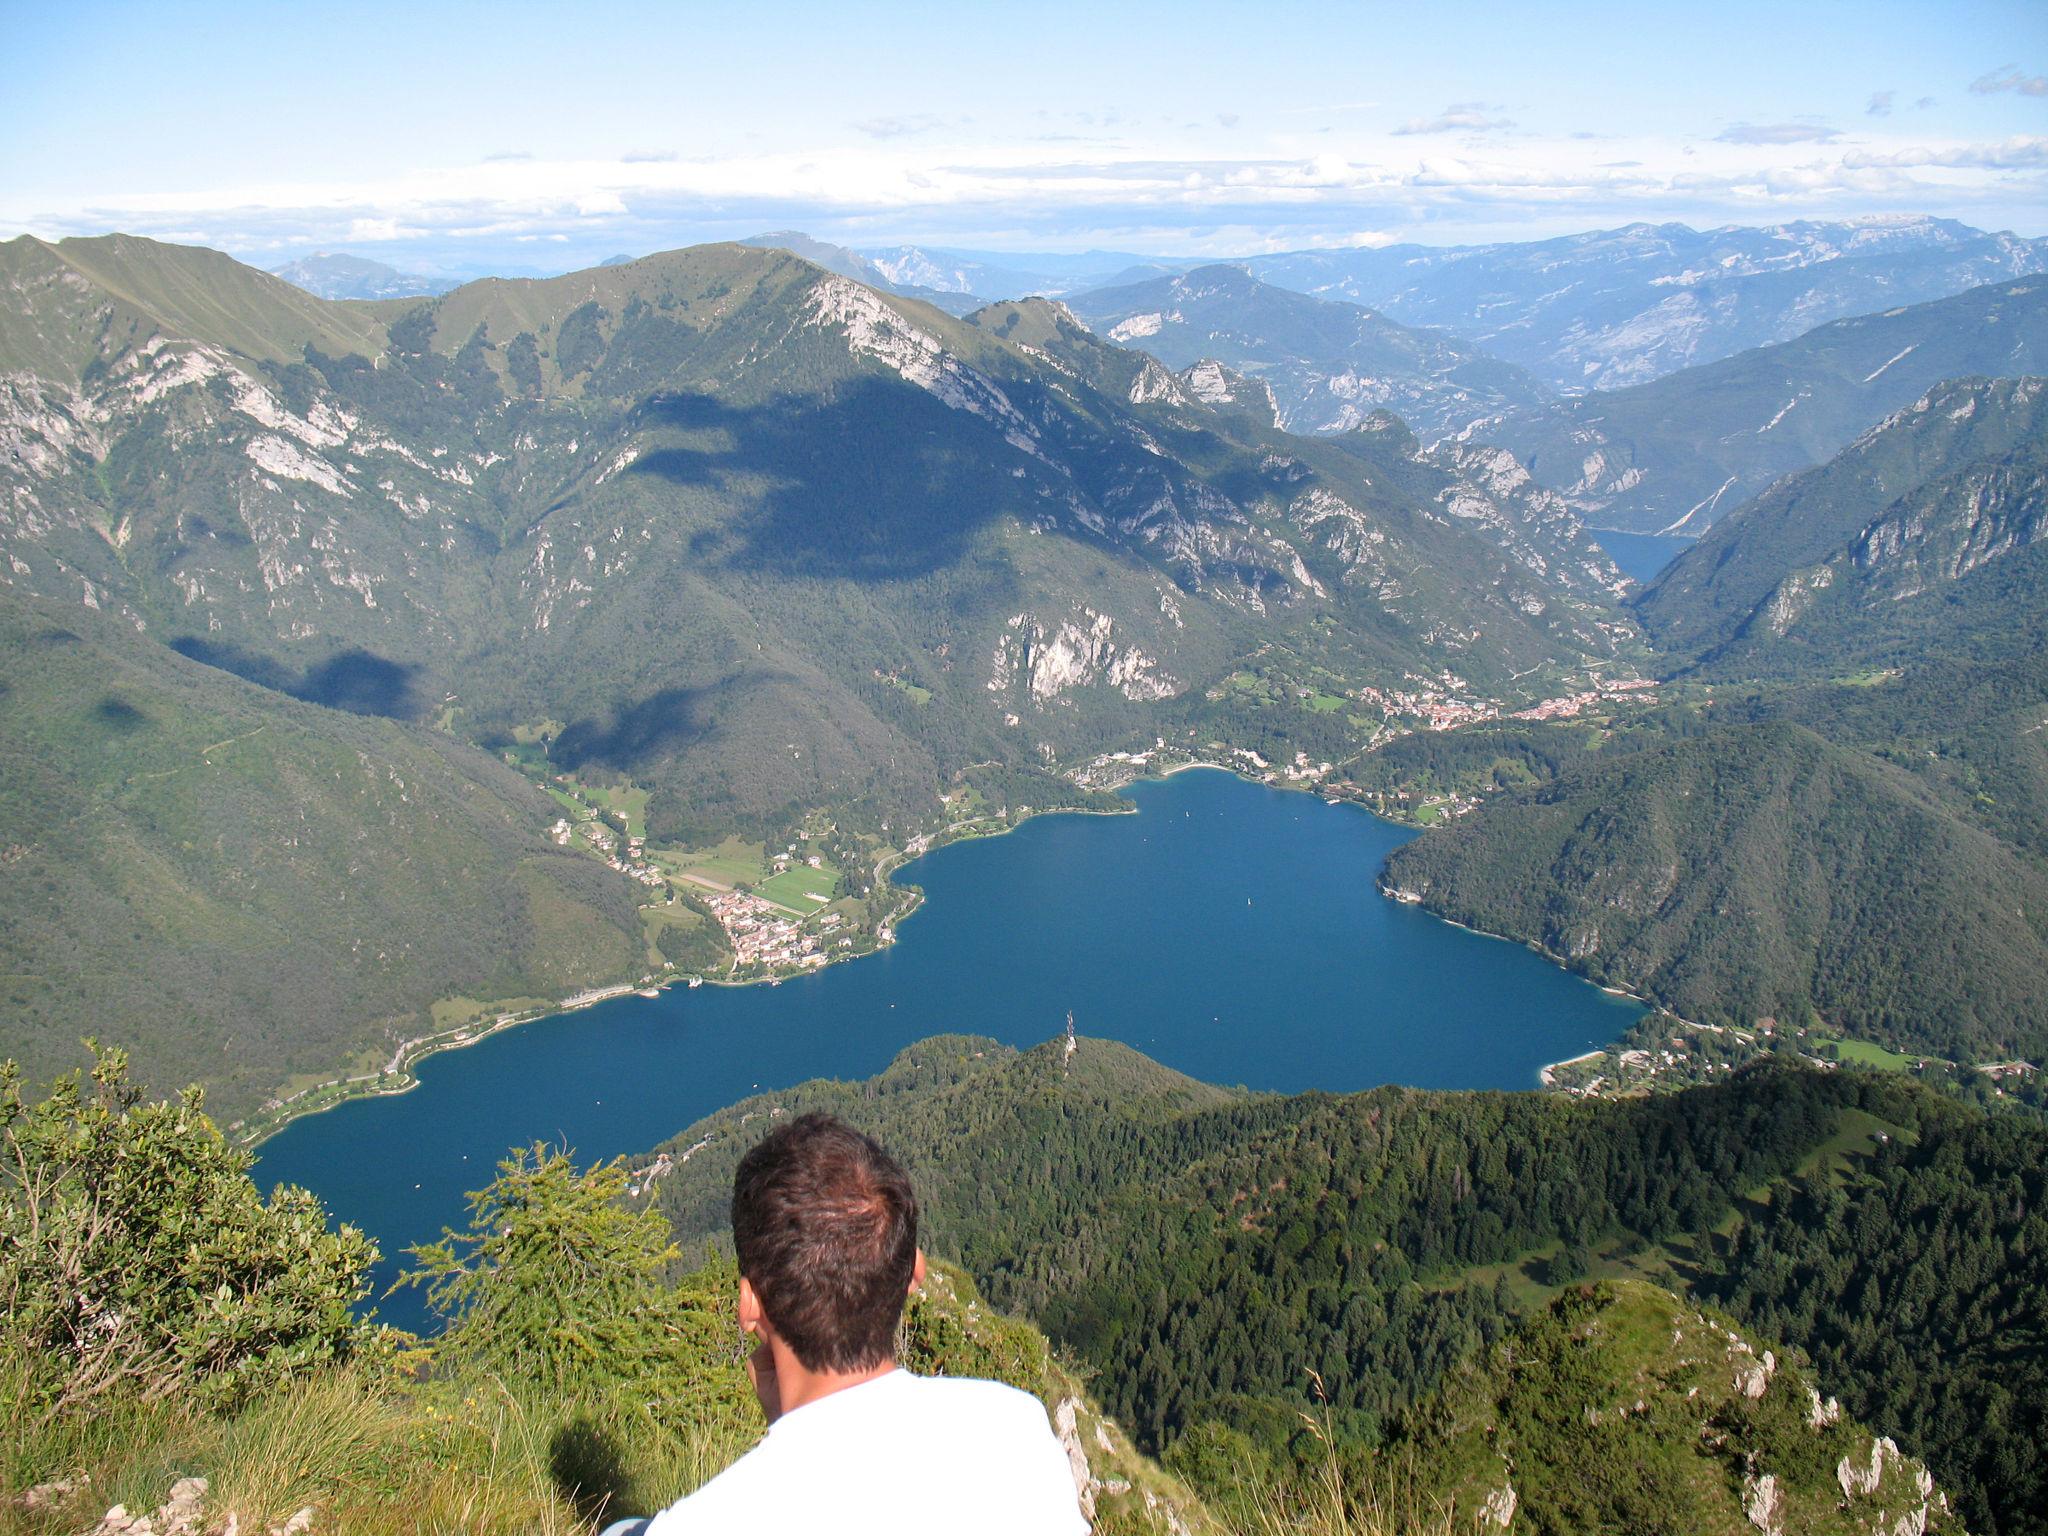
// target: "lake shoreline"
[[399, 1078]]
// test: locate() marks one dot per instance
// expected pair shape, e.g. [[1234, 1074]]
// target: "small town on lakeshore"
[[747, 912]]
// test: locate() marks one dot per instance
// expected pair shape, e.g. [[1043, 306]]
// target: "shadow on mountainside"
[[359, 681], [874, 481], [637, 733]]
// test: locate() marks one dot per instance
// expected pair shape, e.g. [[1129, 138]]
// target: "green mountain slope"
[[1849, 824], [1673, 455], [67, 299], [1205, 1251], [740, 533], [1624, 1408], [1330, 364], [1880, 1277], [281, 890], [1893, 547], [1757, 872]]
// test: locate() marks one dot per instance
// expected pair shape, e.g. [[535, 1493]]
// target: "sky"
[[458, 139]]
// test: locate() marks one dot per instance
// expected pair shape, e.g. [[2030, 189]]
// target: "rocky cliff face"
[[1942, 492]]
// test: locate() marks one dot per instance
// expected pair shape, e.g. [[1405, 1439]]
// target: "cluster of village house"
[[1446, 709], [763, 932], [628, 855]]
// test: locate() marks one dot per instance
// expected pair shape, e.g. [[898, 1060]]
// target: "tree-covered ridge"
[[1623, 1408], [281, 889], [1207, 1256], [1756, 872], [1918, 1280]]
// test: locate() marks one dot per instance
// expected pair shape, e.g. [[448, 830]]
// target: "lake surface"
[[1229, 930], [1641, 555]]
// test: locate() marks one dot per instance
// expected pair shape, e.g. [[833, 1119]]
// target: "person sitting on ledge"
[[824, 1223]]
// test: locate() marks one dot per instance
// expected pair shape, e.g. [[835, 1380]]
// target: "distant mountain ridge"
[[339, 275], [1611, 308], [1330, 364], [1672, 455]]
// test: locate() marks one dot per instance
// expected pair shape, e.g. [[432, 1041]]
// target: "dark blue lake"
[[1229, 930]]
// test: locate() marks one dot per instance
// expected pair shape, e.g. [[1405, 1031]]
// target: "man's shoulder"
[[977, 1396]]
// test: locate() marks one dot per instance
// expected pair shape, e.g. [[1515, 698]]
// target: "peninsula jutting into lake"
[[1229, 930]]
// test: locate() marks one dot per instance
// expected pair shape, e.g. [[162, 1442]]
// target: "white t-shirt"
[[903, 1455]]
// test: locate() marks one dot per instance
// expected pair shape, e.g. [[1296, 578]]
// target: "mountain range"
[[1330, 366], [339, 275], [735, 529], [753, 541], [1618, 307], [1672, 455]]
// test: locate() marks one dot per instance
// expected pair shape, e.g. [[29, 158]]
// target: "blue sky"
[[461, 138]]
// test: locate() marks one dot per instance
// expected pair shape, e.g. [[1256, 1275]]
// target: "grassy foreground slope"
[[579, 1377], [1231, 1262], [281, 888]]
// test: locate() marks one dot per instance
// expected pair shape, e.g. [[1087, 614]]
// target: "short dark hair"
[[825, 1225]]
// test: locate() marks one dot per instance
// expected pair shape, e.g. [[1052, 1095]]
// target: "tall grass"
[[376, 1454], [372, 1455]]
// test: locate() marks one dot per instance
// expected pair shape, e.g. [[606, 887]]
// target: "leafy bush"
[[138, 1260]]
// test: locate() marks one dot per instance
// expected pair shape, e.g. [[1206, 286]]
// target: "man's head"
[[825, 1226]]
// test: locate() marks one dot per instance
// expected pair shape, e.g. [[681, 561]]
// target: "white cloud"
[[1880, 103], [1292, 190], [1458, 117], [2014, 154], [1775, 133], [2010, 79]]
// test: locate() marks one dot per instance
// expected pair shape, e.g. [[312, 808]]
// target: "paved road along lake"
[[1229, 930]]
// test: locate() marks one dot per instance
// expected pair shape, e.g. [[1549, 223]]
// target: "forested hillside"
[[1206, 1252], [733, 537], [272, 884], [1919, 1282], [1920, 538], [1756, 872], [1838, 816]]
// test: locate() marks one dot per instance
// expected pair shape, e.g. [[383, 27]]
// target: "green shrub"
[[138, 1260]]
